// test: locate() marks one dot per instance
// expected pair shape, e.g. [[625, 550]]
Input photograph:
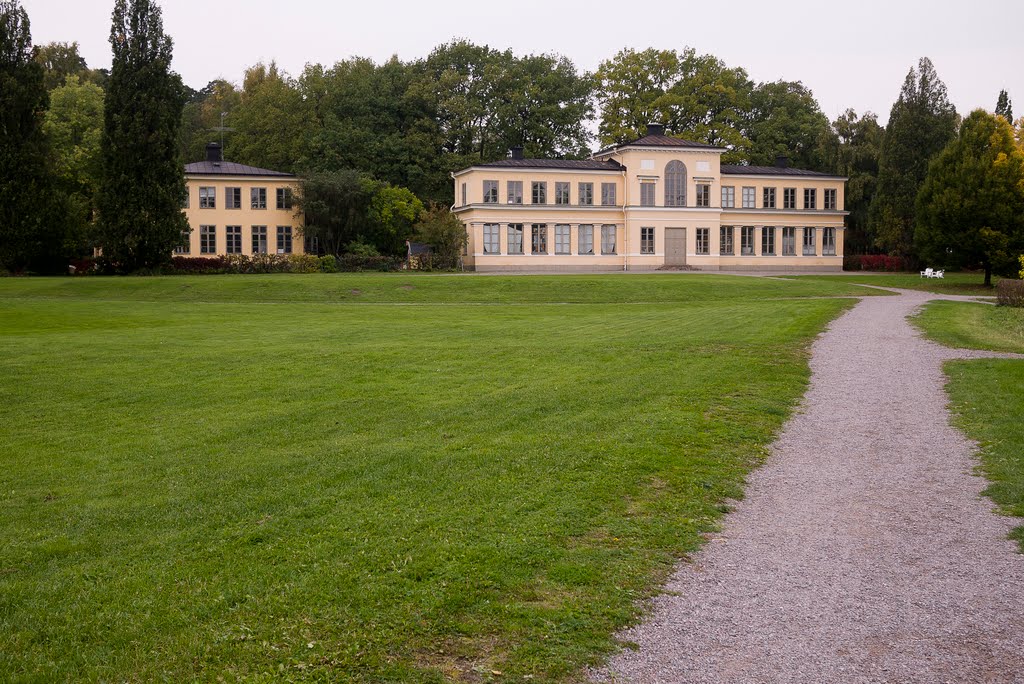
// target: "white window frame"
[[703, 241], [728, 196], [609, 239], [726, 244], [258, 198], [809, 244], [563, 238], [647, 240], [585, 239], [515, 238], [749, 197]]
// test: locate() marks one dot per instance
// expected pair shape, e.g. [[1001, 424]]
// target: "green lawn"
[[951, 283], [987, 395], [297, 477]]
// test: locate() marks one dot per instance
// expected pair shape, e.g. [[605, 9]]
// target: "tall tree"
[[852, 150], [1004, 107], [143, 183], [971, 207], [628, 87], [29, 216], [206, 117], [921, 124], [785, 120], [270, 121], [60, 60]]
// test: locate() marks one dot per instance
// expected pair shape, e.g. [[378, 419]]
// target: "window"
[[810, 198], [608, 194], [767, 240], [233, 239], [539, 238], [490, 192], [539, 192], [810, 249], [646, 194], [514, 191], [186, 243], [562, 239], [769, 198], [748, 197], [515, 238], [789, 198], [284, 197], [259, 239], [828, 241], [703, 195], [185, 200], [830, 199], [463, 195], [561, 193], [789, 241], [284, 239], [207, 198], [207, 239], [492, 239], [608, 239], [258, 198], [675, 185], [586, 239], [725, 246], [232, 198], [728, 197], [586, 194], [703, 241], [747, 240], [647, 240]]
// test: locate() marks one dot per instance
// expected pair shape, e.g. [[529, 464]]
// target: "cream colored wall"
[[246, 217], [779, 183], [475, 177], [633, 160]]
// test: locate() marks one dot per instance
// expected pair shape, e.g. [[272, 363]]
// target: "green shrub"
[[1010, 292], [328, 264], [303, 263]]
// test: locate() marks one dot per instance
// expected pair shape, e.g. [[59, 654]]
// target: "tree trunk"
[[988, 274]]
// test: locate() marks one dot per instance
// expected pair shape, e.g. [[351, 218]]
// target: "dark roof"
[[741, 170], [557, 164], [209, 168], [661, 141]]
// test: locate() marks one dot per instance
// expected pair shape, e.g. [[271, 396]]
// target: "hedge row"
[[281, 263], [873, 262]]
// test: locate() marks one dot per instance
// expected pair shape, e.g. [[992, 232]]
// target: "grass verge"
[[199, 483], [986, 394], [953, 283]]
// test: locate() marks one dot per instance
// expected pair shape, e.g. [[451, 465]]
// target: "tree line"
[[376, 143]]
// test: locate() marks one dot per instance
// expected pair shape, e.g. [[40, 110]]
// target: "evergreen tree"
[[921, 123], [1004, 107], [143, 182], [971, 207], [852, 150]]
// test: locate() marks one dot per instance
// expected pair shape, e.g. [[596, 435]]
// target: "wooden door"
[[675, 246]]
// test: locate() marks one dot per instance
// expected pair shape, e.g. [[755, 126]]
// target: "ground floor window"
[[767, 240], [703, 241], [810, 249], [539, 238], [259, 239], [207, 239], [186, 243], [608, 239], [562, 239], [284, 239], [647, 240], [747, 240], [586, 240], [789, 241], [515, 238], [725, 234], [828, 241], [233, 239], [492, 239]]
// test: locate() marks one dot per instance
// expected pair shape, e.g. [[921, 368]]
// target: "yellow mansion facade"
[[657, 202]]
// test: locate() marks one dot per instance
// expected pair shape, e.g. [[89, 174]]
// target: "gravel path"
[[863, 551]]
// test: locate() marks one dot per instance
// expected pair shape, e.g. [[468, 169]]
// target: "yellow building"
[[657, 202], [238, 209]]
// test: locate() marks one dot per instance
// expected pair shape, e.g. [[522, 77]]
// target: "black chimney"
[[655, 129], [782, 162], [214, 153], [516, 152]]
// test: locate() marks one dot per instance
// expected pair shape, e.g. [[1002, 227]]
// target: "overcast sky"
[[851, 53]]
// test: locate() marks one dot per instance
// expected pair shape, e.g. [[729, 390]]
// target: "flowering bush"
[[879, 262]]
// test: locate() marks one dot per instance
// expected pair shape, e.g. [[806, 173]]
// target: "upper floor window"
[[232, 198], [463, 195], [675, 184], [830, 199], [748, 197], [490, 192], [703, 195], [185, 200], [810, 198], [515, 192], [789, 198], [539, 192], [561, 193], [258, 197], [728, 196], [207, 198], [586, 194], [646, 193], [769, 198], [284, 197], [608, 194]]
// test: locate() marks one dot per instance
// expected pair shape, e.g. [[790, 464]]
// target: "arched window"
[[675, 184]]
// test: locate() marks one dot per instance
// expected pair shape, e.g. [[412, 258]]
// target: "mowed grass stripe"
[[191, 490]]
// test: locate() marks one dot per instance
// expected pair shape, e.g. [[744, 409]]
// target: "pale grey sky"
[[853, 53]]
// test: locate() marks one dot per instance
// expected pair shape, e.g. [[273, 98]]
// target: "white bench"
[[931, 273]]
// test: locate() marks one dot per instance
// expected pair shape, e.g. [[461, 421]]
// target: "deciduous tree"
[[785, 120], [270, 121], [852, 150], [444, 232], [1004, 107]]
